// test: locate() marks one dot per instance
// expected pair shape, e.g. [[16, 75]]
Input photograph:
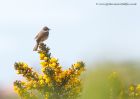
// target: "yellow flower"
[[43, 64], [29, 84], [76, 65], [131, 88], [76, 80], [136, 94], [18, 72], [28, 87], [43, 69], [45, 77], [41, 82], [34, 85], [45, 58], [25, 65], [40, 77], [53, 60], [62, 75], [15, 88], [58, 79], [47, 80], [53, 64], [138, 87], [46, 96], [42, 56]]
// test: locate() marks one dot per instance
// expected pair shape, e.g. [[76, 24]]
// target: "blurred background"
[[105, 37]]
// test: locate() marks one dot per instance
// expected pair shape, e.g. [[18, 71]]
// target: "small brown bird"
[[41, 36]]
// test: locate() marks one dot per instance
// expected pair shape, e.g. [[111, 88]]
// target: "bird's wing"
[[40, 36], [37, 36]]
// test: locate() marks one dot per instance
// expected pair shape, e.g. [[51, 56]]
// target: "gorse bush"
[[112, 81], [118, 91], [53, 83]]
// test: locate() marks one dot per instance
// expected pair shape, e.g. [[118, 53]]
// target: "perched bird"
[[41, 36]]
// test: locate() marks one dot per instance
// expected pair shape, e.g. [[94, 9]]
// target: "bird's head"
[[45, 28]]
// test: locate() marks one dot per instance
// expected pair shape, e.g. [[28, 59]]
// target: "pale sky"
[[80, 30]]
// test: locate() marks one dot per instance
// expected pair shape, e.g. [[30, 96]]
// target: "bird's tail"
[[36, 47]]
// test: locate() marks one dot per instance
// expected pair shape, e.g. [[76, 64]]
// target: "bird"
[[41, 36]]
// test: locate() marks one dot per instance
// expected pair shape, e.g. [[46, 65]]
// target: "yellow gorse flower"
[[131, 88], [138, 87], [134, 90], [54, 83]]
